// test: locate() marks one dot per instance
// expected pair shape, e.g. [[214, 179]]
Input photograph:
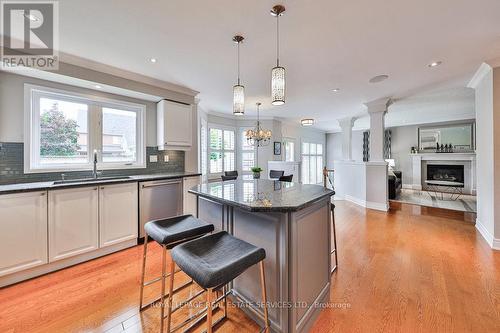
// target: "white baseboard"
[[493, 242], [407, 186], [60, 264], [368, 204]]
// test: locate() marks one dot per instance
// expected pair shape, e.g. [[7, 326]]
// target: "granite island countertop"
[[263, 195], [50, 185]]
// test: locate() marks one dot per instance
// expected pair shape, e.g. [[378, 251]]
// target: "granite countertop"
[[41, 186], [263, 195]]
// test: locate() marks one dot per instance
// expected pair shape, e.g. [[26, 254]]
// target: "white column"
[[377, 110], [346, 125]]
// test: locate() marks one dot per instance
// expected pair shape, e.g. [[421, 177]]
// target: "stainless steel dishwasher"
[[159, 199]]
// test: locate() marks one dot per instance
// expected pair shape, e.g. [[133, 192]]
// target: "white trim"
[[493, 242], [63, 263], [367, 204], [94, 122], [479, 75], [407, 186]]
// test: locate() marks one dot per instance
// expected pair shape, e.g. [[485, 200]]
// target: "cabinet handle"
[[95, 188], [42, 194], [102, 187], [161, 184]]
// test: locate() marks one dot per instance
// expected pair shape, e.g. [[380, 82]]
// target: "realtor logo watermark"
[[30, 34]]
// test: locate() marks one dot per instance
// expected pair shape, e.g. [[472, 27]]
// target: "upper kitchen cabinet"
[[174, 125]]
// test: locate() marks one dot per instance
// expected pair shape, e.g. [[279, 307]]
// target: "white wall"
[[403, 138], [334, 147], [281, 130], [12, 106], [487, 152]]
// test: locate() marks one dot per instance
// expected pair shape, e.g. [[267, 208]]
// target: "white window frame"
[[241, 151], [222, 150], [32, 94], [302, 154], [285, 141]]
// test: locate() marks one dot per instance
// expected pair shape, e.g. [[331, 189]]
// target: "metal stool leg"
[[163, 277], [170, 297], [264, 295], [334, 244], [143, 271], [209, 310]]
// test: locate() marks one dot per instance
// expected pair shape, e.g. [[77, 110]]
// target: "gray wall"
[[403, 138], [334, 147], [12, 132]]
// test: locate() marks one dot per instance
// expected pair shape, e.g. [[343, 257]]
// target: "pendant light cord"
[[278, 40], [238, 63]]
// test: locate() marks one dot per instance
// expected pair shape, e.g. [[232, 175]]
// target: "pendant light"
[[278, 72], [258, 136], [238, 89]]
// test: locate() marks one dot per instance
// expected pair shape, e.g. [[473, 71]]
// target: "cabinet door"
[[23, 231], [189, 198], [73, 222], [176, 123], [118, 213]]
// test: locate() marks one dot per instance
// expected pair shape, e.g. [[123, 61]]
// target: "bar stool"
[[169, 233], [212, 262], [334, 251]]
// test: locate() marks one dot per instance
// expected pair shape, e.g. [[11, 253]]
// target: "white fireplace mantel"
[[468, 160]]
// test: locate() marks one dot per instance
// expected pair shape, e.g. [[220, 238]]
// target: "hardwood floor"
[[414, 269]]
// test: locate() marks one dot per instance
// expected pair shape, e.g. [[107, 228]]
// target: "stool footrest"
[[174, 291], [201, 313], [158, 279]]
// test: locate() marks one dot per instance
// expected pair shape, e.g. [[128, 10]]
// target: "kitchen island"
[[291, 221]]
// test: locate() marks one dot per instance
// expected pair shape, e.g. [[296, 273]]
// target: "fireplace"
[[448, 172]]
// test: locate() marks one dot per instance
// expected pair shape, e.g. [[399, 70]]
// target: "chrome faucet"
[[95, 174]]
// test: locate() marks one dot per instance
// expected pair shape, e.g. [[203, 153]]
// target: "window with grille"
[[312, 163]]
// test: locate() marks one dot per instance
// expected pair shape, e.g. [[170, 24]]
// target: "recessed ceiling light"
[[307, 122], [153, 60], [435, 64], [98, 86], [379, 78], [336, 90], [31, 17]]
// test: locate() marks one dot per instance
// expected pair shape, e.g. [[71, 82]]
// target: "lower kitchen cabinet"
[[73, 222], [23, 230], [118, 213]]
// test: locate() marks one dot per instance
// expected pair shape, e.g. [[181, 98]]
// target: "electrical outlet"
[[153, 158], [166, 159]]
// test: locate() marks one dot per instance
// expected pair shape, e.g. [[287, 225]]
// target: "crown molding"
[[479, 75]]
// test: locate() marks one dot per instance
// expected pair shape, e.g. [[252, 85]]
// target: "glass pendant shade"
[[238, 100], [278, 85]]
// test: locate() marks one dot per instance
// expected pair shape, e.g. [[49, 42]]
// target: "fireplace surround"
[[466, 160]]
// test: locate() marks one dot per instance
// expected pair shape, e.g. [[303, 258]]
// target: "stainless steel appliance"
[[159, 199]]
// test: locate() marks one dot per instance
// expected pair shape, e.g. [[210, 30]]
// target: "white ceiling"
[[325, 44]]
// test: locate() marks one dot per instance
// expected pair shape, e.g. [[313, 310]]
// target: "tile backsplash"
[[12, 165]]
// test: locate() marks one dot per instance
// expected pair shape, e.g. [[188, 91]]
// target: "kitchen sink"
[[91, 179]]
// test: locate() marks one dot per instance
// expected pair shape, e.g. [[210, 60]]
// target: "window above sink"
[[64, 128]]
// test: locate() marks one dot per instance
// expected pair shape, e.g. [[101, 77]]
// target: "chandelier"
[[259, 136], [278, 72], [238, 89]]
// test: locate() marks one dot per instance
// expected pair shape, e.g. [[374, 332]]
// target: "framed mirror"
[[459, 136]]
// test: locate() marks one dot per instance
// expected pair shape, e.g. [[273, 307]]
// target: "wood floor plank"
[[412, 269]]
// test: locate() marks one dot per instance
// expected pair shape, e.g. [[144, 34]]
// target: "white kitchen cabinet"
[[189, 201], [73, 222], [23, 231], [118, 213], [174, 125]]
